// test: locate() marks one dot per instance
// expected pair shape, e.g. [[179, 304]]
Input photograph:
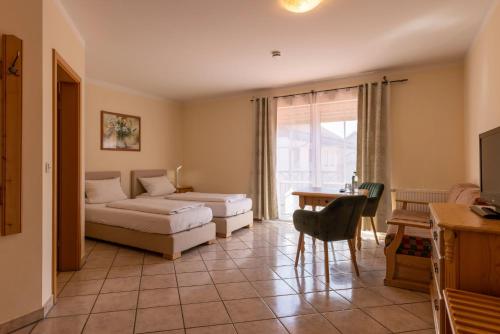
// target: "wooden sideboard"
[[465, 256]]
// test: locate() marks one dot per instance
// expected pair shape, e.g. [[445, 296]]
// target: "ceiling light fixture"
[[300, 6]]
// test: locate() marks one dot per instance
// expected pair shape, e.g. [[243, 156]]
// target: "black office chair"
[[337, 221], [375, 191]]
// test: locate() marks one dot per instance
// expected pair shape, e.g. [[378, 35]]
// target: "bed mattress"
[[148, 222], [221, 209]]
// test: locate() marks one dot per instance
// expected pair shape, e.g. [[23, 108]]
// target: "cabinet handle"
[[436, 269], [435, 235], [436, 304], [431, 222]]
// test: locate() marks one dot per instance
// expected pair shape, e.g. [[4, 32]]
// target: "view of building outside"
[[316, 145]]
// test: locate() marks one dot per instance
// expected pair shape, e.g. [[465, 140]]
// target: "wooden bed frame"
[[170, 245], [225, 226]]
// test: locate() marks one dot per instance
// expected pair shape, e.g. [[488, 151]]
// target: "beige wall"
[[26, 258], [21, 254], [427, 131], [482, 89], [160, 132], [58, 34]]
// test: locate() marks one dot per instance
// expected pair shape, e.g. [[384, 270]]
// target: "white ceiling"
[[183, 49]]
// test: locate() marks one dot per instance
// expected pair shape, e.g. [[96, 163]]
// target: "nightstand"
[[184, 189]]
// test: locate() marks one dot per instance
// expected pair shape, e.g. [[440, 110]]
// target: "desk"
[[315, 196]]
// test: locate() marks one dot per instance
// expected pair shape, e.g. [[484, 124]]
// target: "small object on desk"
[[486, 211], [184, 189], [341, 190]]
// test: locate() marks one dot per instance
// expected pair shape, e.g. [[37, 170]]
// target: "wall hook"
[[12, 68]]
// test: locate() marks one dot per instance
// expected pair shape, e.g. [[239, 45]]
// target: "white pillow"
[[104, 191], [157, 186]]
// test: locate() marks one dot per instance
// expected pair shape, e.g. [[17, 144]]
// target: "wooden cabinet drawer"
[[438, 308]]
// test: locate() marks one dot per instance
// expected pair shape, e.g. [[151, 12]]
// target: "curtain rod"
[[384, 81]]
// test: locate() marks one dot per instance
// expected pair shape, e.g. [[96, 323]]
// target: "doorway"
[[66, 169]]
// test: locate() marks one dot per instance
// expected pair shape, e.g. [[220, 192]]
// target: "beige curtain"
[[265, 198], [373, 142]]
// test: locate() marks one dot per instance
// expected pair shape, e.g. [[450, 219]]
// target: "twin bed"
[[146, 222]]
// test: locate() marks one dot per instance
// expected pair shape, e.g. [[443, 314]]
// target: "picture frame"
[[120, 132]]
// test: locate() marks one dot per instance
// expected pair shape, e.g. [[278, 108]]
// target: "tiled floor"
[[245, 284]]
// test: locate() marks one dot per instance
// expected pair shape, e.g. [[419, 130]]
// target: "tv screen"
[[489, 143]]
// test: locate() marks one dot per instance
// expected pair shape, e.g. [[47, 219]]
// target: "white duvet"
[[206, 197], [153, 205]]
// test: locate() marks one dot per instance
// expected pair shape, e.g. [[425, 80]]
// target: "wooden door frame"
[[58, 61]]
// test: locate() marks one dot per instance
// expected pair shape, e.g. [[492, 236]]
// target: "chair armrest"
[[306, 221], [409, 223], [406, 202]]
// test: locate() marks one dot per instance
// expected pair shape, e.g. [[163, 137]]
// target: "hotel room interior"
[[250, 166]]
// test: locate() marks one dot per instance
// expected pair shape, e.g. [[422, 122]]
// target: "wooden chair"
[[409, 243], [375, 191], [337, 221]]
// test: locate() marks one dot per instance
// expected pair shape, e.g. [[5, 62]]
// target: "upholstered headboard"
[[102, 175], [136, 187]]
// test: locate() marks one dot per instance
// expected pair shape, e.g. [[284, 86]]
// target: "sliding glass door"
[[316, 143]]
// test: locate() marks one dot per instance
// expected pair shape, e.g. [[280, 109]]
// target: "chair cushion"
[[416, 241], [468, 196]]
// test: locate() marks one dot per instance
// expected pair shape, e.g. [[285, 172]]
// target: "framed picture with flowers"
[[120, 132]]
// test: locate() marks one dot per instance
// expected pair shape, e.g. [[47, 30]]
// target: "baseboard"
[[27, 319], [22, 321]]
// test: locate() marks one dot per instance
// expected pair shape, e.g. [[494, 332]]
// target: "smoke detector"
[[276, 53]]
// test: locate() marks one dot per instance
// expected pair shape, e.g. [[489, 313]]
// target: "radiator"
[[431, 196]]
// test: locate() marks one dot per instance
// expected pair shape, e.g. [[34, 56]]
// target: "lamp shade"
[[300, 6]]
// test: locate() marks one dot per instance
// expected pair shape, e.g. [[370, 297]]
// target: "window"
[[316, 143]]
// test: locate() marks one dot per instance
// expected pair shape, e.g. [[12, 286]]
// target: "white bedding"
[[219, 209], [206, 197], [148, 222], [154, 205]]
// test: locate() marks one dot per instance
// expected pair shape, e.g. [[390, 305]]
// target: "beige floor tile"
[[192, 255], [248, 310], [128, 260], [231, 245], [241, 253], [82, 288], [158, 269], [355, 322], [64, 276], [373, 278], [218, 329], [220, 264], [121, 322], [89, 274], [217, 255], [154, 259], [205, 314], [400, 296], [363, 297], [260, 327], [272, 288], [116, 301], [421, 310], [198, 294], [290, 271], [306, 284], [125, 271], [62, 325], [227, 276], [99, 262], [25, 329], [190, 279], [189, 267], [103, 246], [120, 284], [238, 290], [285, 306], [158, 297], [396, 318], [327, 301], [158, 282], [341, 281], [72, 306], [158, 319], [250, 263], [308, 324], [259, 274]]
